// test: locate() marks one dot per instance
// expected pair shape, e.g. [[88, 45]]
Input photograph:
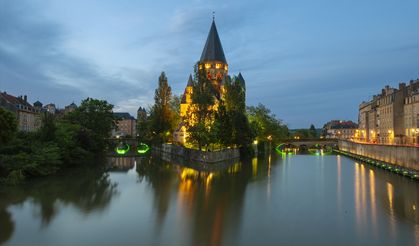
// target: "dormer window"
[[218, 65], [226, 67], [207, 65]]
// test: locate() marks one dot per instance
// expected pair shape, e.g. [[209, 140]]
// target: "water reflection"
[[209, 204], [398, 203], [86, 189], [287, 200]]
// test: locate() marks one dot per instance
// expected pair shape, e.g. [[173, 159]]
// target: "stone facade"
[[392, 116], [339, 129], [28, 117], [405, 156], [126, 125], [194, 155]]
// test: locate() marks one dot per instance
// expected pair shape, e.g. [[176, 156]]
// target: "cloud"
[[33, 61]]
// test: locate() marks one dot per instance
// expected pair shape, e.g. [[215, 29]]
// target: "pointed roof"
[[241, 80], [37, 104], [213, 51], [190, 80]]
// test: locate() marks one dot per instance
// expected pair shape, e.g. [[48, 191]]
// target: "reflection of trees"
[[88, 189], [6, 225], [159, 174], [211, 201], [215, 203]]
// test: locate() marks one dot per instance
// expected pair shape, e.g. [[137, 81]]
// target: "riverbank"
[[387, 166], [403, 156], [193, 155]]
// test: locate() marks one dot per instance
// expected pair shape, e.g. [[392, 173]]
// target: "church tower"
[[213, 60], [214, 64]]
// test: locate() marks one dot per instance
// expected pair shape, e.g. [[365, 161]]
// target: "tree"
[[8, 126], [313, 131], [175, 107], [96, 121], [162, 115], [241, 134], [48, 127], [266, 125], [200, 116]]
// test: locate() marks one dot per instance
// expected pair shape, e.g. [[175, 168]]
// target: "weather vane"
[[213, 15]]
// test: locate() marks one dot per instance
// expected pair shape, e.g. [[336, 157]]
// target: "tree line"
[[213, 121], [74, 138]]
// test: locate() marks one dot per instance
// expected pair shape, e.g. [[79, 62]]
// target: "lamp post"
[[270, 142]]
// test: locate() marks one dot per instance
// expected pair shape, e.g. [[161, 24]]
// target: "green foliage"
[[305, 133], [265, 124], [225, 126], [48, 128], [96, 119], [8, 126], [68, 139], [200, 117], [313, 131], [162, 117], [235, 101], [74, 139], [28, 156]]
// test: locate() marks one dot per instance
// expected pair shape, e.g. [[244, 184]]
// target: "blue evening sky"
[[308, 61]]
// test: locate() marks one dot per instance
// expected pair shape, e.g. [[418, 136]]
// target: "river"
[[276, 200]]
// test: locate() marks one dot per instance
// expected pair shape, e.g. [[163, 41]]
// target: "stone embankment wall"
[[405, 156], [200, 156]]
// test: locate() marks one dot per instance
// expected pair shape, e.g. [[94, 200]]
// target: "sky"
[[308, 61]]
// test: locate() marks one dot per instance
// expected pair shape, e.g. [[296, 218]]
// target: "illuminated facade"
[[391, 117], [215, 66], [339, 129]]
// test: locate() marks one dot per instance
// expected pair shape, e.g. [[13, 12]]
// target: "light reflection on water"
[[298, 199]]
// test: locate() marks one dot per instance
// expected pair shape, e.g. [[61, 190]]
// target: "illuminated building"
[[215, 66], [340, 129], [391, 117]]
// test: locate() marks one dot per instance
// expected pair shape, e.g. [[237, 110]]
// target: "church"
[[215, 65]]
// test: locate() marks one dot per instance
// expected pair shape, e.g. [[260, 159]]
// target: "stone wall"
[[405, 156], [199, 156]]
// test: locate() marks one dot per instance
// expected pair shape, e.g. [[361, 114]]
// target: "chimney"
[[25, 98]]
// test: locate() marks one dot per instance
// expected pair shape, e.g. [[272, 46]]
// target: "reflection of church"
[[214, 63]]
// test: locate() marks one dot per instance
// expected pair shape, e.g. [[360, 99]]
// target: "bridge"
[[127, 147]]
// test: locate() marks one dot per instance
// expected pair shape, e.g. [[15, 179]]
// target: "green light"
[[142, 148], [122, 150]]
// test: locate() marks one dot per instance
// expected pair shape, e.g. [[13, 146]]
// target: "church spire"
[[213, 51], [190, 80]]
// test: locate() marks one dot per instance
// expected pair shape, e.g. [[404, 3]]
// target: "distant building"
[[340, 129], [28, 117], [411, 114], [125, 125], [141, 114], [50, 108], [70, 108], [38, 106], [391, 117]]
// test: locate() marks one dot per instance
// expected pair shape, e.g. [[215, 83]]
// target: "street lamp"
[[270, 142]]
